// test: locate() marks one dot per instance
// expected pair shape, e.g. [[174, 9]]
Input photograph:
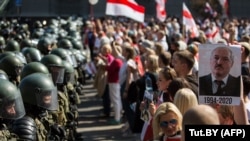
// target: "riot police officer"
[[74, 100], [44, 45], [12, 109], [13, 66], [40, 96]]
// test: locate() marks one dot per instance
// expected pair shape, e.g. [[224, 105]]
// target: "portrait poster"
[[145, 114], [219, 74]]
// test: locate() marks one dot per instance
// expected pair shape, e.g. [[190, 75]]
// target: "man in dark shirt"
[[183, 62]]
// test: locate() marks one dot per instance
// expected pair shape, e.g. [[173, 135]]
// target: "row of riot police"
[[40, 84]]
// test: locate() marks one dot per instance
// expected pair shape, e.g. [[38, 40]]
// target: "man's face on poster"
[[221, 61]]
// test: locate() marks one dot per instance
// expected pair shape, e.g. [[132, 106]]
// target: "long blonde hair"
[[185, 99], [163, 109], [152, 60]]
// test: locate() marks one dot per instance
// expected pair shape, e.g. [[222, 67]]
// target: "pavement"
[[92, 125]]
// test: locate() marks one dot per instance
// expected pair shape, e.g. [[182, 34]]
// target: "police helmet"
[[10, 101], [32, 54], [12, 45], [34, 67], [38, 89], [55, 67], [12, 65]]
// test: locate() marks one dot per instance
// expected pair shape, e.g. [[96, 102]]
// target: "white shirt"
[[123, 70], [215, 85]]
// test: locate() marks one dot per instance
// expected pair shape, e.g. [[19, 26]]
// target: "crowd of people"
[[147, 74], [135, 61]]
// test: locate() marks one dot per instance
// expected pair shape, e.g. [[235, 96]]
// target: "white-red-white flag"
[[188, 21], [127, 8], [224, 4], [212, 34], [160, 10]]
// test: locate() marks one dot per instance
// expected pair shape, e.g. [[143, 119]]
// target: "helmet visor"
[[3, 76], [57, 73], [12, 108], [47, 99], [79, 58], [69, 78], [74, 62]]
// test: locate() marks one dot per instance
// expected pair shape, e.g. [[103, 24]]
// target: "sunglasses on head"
[[166, 123]]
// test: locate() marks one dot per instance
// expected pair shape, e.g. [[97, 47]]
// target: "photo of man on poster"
[[219, 81]]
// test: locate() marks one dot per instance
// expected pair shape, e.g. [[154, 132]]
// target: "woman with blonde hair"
[[167, 122], [152, 70], [151, 64], [158, 48], [185, 99]]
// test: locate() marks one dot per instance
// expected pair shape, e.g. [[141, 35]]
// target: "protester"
[[113, 68], [183, 62], [185, 99], [167, 122], [199, 115]]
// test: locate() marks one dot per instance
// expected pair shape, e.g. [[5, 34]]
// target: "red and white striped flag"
[[224, 4], [127, 8], [160, 10], [188, 21]]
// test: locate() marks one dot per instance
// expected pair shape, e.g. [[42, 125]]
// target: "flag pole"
[[183, 25]]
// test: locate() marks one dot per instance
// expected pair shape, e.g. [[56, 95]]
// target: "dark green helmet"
[[12, 45], [18, 38], [26, 43], [3, 75], [64, 54], [12, 65], [77, 44], [36, 34], [55, 67], [69, 75], [37, 24], [2, 44], [43, 45], [64, 43], [32, 54], [38, 89], [60, 52], [51, 60], [7, 53], [11, 102], [2, 41], [34, 67]]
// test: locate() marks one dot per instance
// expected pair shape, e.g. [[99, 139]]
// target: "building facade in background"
[[55, 8]]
